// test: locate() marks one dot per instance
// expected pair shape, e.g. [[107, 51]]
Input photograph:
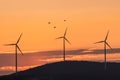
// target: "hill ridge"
[[69, 70]]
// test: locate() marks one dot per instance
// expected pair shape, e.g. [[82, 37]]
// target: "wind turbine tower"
[[16, 49], [105, 51], [64, 40]]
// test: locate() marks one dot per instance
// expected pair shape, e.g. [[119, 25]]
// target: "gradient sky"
[[87, 22]]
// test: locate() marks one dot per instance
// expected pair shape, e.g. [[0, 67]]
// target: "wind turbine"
[[64, 40], [16, 48], [105, 44]]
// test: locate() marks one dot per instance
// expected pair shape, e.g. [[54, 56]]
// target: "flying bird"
[[54, 27], [65, 20], [49, 22]]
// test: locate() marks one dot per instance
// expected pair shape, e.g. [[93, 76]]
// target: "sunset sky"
[[87, 22]]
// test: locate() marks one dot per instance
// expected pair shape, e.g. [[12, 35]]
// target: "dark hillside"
[[69, 70]]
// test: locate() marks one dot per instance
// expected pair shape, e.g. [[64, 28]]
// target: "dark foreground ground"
[[69, 70]]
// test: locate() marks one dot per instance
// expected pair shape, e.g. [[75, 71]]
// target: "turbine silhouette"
[[64, 39], [16, 48], [105, 51]]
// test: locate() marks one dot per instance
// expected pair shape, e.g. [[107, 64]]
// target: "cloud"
[[109, 51], [12, 68]]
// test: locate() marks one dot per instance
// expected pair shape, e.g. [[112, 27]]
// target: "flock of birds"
[[64, 47], [54, 26]]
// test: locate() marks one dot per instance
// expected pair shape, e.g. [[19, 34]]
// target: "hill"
[[69, 70]]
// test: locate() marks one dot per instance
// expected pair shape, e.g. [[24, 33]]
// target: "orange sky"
[[87, 22]]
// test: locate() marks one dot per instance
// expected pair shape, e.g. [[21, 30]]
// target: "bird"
[[65, 20], [54, 27], [64, 40], [49, 22], [16, 48], [105, 44]]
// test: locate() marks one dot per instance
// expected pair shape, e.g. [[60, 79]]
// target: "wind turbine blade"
[[99, 42], [9, 44], [108, 45], [60, 37], [19, 38], [106, 36], [65, 32], [19, 49], [67, 40]]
